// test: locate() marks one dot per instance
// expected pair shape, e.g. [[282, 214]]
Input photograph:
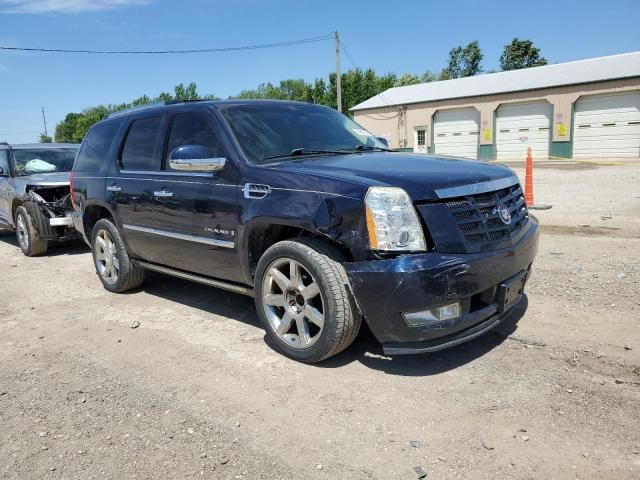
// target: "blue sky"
[[400, 36]]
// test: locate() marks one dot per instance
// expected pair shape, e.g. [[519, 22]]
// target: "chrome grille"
[[479, 220]]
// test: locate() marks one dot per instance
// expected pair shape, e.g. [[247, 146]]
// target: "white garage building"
[[584, 109]]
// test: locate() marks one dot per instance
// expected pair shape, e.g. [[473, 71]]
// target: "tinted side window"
[[194, 129], [4, 162], [141, 147], [96, 146]]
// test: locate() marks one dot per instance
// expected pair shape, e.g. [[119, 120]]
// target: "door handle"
[[114, 188], [162, 194]]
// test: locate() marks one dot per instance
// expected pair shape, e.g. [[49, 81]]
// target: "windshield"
[[270, 132], [43, 160]]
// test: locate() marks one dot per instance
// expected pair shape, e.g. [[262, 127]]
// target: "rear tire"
[[115, 269], [29, 223], [301, 286]]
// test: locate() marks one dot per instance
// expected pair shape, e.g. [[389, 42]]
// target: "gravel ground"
[[195, 391]]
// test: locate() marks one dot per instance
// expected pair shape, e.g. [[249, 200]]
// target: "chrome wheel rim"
[[293, 303], [23, 232], [107, 261]]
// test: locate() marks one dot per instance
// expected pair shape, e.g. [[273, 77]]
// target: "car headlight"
[[392, 221]]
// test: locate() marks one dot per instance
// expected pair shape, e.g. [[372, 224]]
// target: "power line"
[[348, 54], [174, 52], [383, 97]]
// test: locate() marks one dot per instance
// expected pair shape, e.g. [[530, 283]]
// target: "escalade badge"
[[503, 213]]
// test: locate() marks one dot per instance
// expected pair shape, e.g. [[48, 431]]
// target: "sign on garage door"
[[523, 125], [455, 132], [607, 126]]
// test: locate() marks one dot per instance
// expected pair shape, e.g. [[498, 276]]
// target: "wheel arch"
[[93, 212], [262, 233]]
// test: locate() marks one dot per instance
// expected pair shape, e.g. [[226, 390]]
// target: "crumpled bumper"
[[385, 289]]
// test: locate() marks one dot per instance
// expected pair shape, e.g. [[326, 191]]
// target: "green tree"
[[428, 76], [464, 61], [45, 138], [407, 79], [66, 128], [521, 54]]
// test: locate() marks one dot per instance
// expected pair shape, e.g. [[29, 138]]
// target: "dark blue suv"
[[300, 207]]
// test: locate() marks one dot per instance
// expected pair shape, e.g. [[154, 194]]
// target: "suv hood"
[[419, 175]]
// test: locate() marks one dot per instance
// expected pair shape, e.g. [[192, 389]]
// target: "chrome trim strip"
[[313, 191], [475, 188], [168, 173], [182, 236], [197, 278], [61, 222]]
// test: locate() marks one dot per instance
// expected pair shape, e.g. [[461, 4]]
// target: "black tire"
[[129, 276], [30, 222], [342, 319]]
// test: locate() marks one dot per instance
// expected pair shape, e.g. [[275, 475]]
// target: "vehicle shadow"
[[208, 299], [365, 349], [73, 247]]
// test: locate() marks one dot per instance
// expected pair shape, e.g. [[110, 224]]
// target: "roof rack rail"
[[147, 106]]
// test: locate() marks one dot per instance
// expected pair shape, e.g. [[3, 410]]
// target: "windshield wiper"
[[367, 148], [303, 151]]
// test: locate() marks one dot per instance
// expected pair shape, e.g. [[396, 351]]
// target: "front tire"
[[27, 234], [303, 299], [115, 269]]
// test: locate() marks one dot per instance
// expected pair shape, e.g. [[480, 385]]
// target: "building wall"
[[398, 122]]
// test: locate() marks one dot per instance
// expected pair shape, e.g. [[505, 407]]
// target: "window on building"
[[140, 150], [422, 137]]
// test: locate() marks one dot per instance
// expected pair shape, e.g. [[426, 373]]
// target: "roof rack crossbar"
[[147, 106]]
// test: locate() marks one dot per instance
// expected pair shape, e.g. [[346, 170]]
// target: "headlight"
[[392, 221]]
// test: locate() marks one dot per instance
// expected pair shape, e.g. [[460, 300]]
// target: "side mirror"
[[383, 140], [195, 158]]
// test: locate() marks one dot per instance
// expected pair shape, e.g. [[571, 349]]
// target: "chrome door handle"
[[114, 188], [162, 194]]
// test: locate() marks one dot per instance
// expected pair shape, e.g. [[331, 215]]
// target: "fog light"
[[434, 315]]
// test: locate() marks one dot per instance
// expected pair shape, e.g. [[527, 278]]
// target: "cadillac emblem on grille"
[[503, 213]]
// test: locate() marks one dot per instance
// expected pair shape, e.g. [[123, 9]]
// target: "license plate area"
[[510, 291]]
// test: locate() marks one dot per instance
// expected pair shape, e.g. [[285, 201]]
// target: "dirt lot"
[[195, 391]]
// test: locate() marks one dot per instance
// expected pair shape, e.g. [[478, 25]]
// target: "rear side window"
[[140, 151], [4, 163], [96, 146]]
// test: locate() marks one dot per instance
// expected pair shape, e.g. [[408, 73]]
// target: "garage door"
[[523, 125], [455, 132], [607, 126]]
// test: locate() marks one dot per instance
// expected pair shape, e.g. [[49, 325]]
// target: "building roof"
[[582, 71]]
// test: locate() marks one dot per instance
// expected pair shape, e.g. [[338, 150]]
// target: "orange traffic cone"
[[528, 180], [528, 185]]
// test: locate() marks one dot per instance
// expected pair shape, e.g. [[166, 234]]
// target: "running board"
[[197, 278]]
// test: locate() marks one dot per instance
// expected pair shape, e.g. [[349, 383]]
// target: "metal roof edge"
[[355, 108]]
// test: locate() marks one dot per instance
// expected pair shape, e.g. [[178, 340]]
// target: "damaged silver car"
[[34, 194]]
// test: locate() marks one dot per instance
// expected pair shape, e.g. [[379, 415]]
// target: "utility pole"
[[338, 78], [44, 120]]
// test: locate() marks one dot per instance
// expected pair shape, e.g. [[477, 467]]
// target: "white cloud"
[[63, 6]]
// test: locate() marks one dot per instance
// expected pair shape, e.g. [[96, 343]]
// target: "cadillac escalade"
[[305, 210]]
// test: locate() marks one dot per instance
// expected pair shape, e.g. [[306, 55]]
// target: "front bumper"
[[385, 289]]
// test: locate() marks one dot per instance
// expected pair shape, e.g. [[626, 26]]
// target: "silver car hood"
[[45, 179]]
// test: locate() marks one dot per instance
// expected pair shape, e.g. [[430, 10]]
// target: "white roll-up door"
[[523, 125], [455, 132], [607, 126]]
